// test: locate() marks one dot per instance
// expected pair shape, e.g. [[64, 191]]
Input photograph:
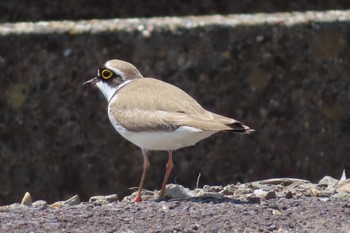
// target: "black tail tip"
[[238, 127]]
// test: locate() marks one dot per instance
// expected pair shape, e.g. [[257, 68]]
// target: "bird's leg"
[[143, 177], [169, 167]]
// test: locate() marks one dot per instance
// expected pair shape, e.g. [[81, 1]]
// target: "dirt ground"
[[306, 214], [274, 205]]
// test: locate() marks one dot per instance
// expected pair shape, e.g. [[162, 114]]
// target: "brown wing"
[[151, 104]]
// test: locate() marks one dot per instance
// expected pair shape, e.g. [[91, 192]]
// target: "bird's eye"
[[106, 74]]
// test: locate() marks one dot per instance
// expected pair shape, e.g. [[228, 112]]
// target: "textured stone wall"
[[39, 10], [286, 75]]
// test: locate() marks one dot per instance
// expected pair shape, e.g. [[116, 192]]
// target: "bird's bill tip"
[[91, 81]]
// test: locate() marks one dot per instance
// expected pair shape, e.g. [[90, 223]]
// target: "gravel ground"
[[306, 214], [274, 205]]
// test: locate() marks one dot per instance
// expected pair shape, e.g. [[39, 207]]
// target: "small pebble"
[[276, 212], [272, 227], [345, 187], [326, 193], [57, 204], [254, 199], [328, 181], [270, 195], [15, 206], [289, 195], [323, 199], [259, 193], [27, 199], [178, 191], [75, 200], [214, 195], [39, 204], [314, 192], [104, 199]]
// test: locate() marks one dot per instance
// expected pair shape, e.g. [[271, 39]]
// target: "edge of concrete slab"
[[173, 23]]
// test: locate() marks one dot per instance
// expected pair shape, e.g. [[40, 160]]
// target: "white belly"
[[163, 140]]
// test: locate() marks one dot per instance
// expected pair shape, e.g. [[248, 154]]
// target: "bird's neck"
[[109, 91]]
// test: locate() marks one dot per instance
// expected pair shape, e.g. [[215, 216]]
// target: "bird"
[[156, 115]]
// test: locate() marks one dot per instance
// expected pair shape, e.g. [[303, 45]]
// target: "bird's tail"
[[239, 127]]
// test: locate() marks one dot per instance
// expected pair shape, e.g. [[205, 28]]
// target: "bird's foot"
[[137, 199]]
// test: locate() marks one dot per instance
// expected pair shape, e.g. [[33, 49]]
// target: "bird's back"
[[156, 105]]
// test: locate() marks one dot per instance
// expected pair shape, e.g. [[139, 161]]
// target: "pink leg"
[[143, 177], [169, 167]]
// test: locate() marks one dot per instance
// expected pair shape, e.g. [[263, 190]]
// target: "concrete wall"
[[286, 75], [40, 10]]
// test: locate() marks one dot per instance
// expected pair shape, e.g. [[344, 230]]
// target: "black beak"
[[91, 81]]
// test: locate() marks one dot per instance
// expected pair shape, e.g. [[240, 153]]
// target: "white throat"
[[107, 90]]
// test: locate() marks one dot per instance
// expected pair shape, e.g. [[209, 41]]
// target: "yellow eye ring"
[[106, 74]]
